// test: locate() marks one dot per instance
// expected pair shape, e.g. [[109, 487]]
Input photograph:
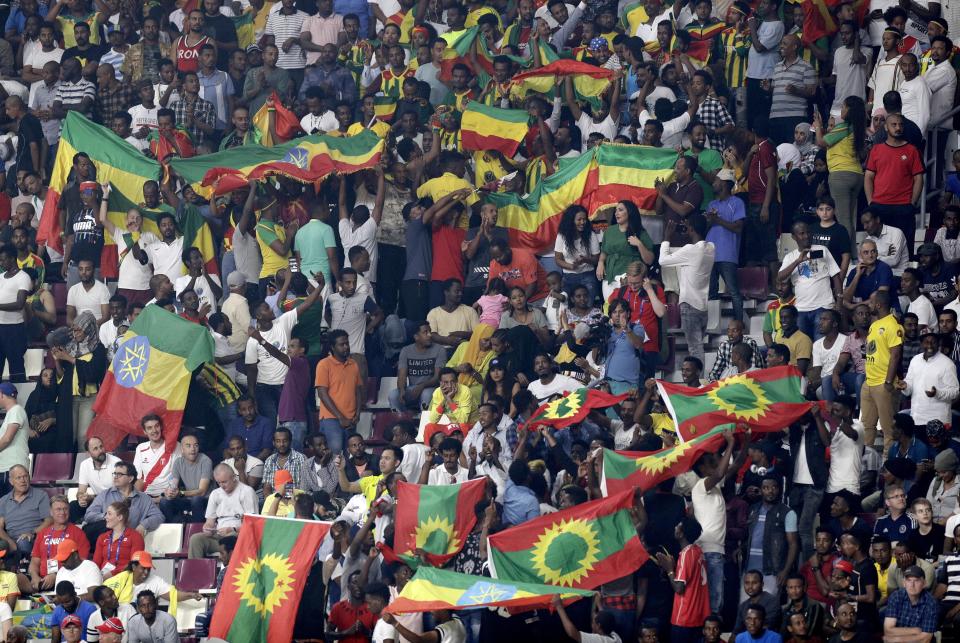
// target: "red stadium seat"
[[54, 491], [754, 282], [195, 574], [382, 423], [49, 468], [373, 387], [189, 530]]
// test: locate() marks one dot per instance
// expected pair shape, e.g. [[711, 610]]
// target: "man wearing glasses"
[[897, 524], [225, 511], [144, 514]]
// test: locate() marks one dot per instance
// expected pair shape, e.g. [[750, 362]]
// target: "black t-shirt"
[[221, 29], [937, 287], [91, 53], [478, 268], [28, 132], [864, 575], [927, 547], [836, 239], [87, 233]]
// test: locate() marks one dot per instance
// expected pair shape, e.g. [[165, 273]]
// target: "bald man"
[[31, 145], [794, 82]]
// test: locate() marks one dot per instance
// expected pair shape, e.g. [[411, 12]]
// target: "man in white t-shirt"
[[88, 295], [931, 382], [710, 510], [154, 460], [846, 446], [550, 384], [815, 277], [249, 469], [206, 286], [914, 92], [603, 120], [359, 228], [915, 301], [267, 367], [83, 574], [115, 326], [826, 352], [15, 285], [166, 254], [225, 509], [94, 476], [110, 608]]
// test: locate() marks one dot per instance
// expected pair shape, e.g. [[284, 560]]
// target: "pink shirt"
[[491, 308], [323, 31]]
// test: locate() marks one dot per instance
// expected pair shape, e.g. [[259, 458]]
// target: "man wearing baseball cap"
[[71, 628], [16, 452], [911, 612], [111, 630], [84, 575]]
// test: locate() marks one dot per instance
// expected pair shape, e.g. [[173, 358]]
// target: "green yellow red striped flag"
[[439, 589], [150, 373], [384, 107], [244, 26], [629, 172], [483, 127]]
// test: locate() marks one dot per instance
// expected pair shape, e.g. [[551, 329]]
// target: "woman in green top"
[[624, 241], [845, 150]]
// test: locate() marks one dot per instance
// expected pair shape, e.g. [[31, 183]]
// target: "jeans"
[[807, 321], [13, 346], [805, 500], [471, 623], [331, 429], [398, 405], [268, 400], [174, 510], [845, 188], [850, 381], [901, 216], [391, 265], [759, 241], [625, 622], [714, 563], [586, 279], [549, 263], [781, 128], [694, 325], [226, 414], [758, 102], [727, 270], [648, 365], [414, 299], [298, 431]]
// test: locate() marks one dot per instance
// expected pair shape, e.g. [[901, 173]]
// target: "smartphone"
[[816, 254]]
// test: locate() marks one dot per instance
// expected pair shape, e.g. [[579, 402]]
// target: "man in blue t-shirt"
[[68, 603], [757, 631]]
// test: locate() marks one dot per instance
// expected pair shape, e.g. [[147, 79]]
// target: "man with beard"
[[95, 476], [892, 185]]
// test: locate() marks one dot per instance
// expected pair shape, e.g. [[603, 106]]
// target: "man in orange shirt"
[[340, 390], [517, 267]]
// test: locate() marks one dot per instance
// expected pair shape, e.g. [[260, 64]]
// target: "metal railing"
[[934, 181]]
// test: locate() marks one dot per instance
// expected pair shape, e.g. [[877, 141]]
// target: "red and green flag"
[[573, 407], [435, 518], [764, 400], [261, 590], [439, 589], [150, 373], [584, 546], [644, 470], [483, 127]]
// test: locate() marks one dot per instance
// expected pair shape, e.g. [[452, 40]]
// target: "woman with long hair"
[[624, 241], [521, 313], [577, 251], [500, 381], [116, 545], [845, 143]]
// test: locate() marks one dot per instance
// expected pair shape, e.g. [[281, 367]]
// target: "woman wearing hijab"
[[81, 365], [41, 411]]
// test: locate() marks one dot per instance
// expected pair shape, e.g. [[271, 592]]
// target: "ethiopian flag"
[[643, 470], [285, 123], [436, 518], [266, 576], [245, 30], [439, 589], [308, 159], [573, 407], [589, 81], [117, 163], [583, 546], [492, 128], [629, 173], [150, 373], [763, 400]]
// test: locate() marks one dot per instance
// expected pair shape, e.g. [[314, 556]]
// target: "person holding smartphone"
[[815, 276]]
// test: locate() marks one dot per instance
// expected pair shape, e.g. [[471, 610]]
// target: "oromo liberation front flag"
[[573, 407], [268, 569], [583, 546], [150, 373], [439, 589], [765, 400], [643, 470], [436, 518]]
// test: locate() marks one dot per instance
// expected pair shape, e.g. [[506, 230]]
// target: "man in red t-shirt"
[[688, 577], [351, 616], [517, 267], [762, 228], [647, 306], [816, 571], [894, 179]]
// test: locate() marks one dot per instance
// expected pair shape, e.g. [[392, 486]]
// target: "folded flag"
[[439, 589], [150, 373], [268, 570], [435, 518], [286, 124], [764, 400], [644, 470], [573, 407], [243, 23], [492, 128], [589, 81], [583, 546]]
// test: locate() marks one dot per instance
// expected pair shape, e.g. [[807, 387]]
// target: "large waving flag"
[[436, 518], [268, 570], [573, 407], [439, 589], [492, 128], [150, 373], [644, 470], [583, 546], [629, 173], [309, 159], [117, 163], [764, 400], [458, 48]]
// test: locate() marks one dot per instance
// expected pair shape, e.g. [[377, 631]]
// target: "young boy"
[[145, 114], [165, 92]]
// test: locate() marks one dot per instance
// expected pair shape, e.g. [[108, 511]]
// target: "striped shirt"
[[282, 27], [799, 73], [736, 46], [74, 93], [950, 576], [217, 88]]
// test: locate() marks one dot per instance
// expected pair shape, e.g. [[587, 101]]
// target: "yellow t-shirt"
[[379, 128], [368, 486], [884, 334], [882, 579], [268, 232], [841, 155], [8, 585], [662, 422], [801, 347], [443, 185], [284, 506]]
